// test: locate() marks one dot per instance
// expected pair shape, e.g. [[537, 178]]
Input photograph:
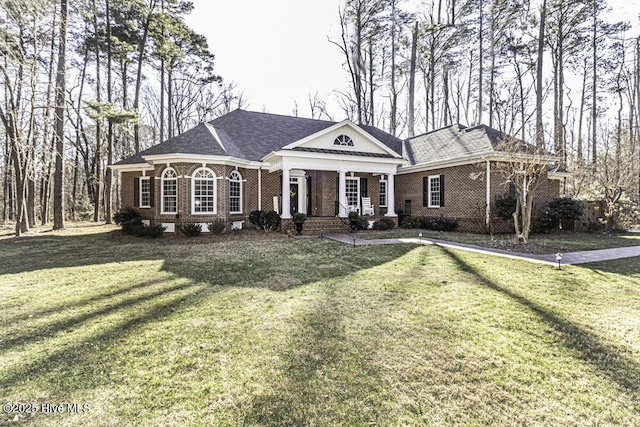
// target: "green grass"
[[275, 331], [538, 243]]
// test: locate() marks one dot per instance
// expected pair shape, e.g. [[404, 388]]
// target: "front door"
[[293, 197], [353, 194]]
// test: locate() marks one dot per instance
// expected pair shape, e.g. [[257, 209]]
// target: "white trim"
[[386, 192], [140, 179], [163, 179], [430, 204], [345, 123], [240, 183], [331, 162], [201, 158], [136, 167], [214, 180], [487, 218], [471, 159]]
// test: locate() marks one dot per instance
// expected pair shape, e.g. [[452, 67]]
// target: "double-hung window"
[[383, 193], [203, 191], [145, 192], [169, 191], [433, 191], [235, 192]]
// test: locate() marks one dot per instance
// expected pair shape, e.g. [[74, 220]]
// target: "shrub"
[[272, 221], [299, 217], [357, 222], [190, 229], [129, 220], [440, 223], [267, 221], [560, 210], [257, 218], [505, 207], [410, 222], [154, 231], [217, 226], [384, 224]]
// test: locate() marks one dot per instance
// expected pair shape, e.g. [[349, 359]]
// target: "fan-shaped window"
[[203, 191], [343, 140], [235, 192], [169, 191]]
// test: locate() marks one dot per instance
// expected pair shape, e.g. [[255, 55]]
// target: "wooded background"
[[87, 83]]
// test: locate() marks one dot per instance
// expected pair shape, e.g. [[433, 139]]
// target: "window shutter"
[[337, 195], [442, 191], [136, 192], [152, 187], [364, 187], [425, 191]]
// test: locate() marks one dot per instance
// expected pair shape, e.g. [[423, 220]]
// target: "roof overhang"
[[493, 156], [133, 167], [156, 159]]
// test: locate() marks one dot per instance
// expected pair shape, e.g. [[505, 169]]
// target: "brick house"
[[245, 161]]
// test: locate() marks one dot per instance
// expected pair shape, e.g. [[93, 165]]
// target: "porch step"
[[320, 225]]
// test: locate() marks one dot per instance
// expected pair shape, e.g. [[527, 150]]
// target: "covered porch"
[[318, 188]]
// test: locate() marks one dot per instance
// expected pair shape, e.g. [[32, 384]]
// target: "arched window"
[[235, 192], [343, 140], [203, 191], [169, 191]]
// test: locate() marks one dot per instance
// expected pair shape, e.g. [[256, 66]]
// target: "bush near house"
[[266, 221], [190, 229], [384, 224], [357, 222], [561, 210], [217, 226], [435, 223], [131, 223]]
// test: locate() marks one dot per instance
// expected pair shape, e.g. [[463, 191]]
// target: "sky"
[[278, 51]]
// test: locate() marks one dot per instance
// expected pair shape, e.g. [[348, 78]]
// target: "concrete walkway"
[[582, 257]]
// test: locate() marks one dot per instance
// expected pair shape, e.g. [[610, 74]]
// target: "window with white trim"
[[169, 190], [343, 140], [235, 192], [383, 193], [203, 191], [434, 191], [145, 192]]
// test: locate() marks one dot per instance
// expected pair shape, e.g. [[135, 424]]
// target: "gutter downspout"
[[488, 195], [259, 188]]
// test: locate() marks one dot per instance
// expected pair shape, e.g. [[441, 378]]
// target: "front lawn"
[[538, 243], [273, 331]]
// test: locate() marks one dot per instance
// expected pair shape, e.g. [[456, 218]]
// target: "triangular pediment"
[[344, 137]]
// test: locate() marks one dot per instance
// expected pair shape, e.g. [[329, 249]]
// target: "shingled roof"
[[452, 142], [248, 135]]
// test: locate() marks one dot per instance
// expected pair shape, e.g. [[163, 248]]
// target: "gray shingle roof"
[[249, 135], [451, 142]]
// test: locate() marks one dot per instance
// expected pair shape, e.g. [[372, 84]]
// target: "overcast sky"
[[277, 51]]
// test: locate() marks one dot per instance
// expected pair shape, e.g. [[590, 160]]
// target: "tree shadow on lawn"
[[69, 366], [327, 378], [608, 359]]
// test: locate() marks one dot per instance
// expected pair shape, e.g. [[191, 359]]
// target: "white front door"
[[353, 194]]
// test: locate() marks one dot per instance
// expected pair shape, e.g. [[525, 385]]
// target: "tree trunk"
[[108, 182], [412, 82], [539, 77], [58, 193]]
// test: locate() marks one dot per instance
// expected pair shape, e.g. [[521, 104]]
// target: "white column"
[[391, 196], [342, 194], [259, 189], [286, 189]]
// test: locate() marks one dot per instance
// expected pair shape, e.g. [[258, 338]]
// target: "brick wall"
[[465, 194]]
